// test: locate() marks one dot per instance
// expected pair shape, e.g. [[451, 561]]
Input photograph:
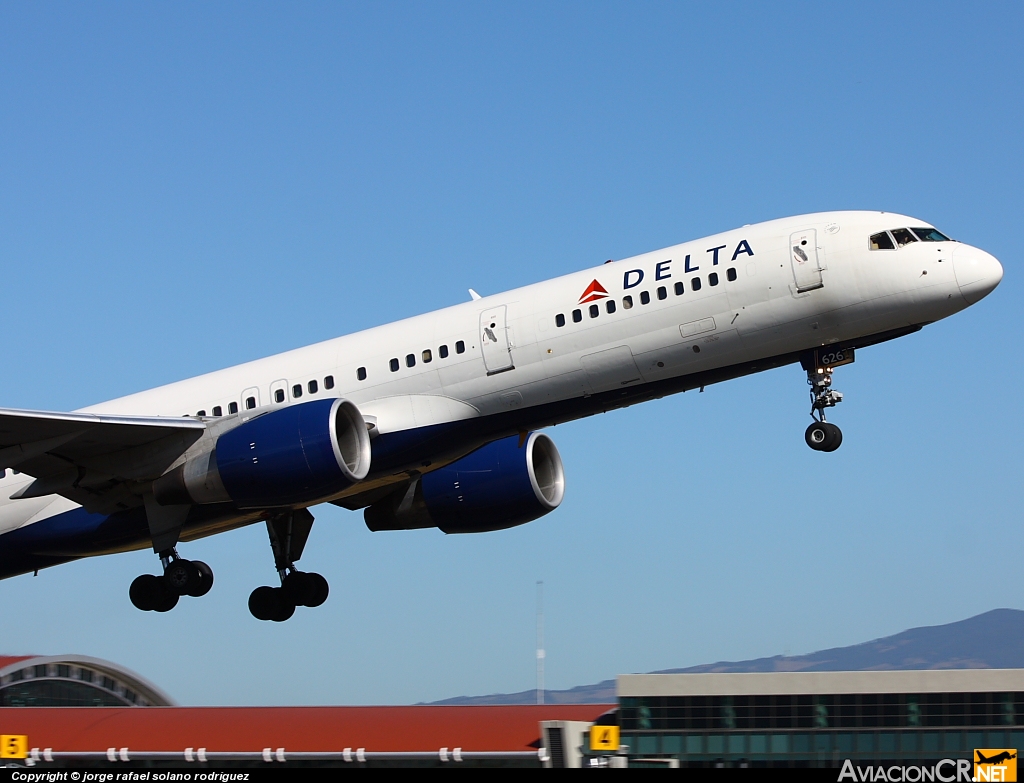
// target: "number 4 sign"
[[604, 738]]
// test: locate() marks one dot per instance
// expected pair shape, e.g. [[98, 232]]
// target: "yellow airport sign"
[[604, 739], [13, 746]]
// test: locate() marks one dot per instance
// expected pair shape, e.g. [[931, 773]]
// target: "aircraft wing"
[[100, 461]]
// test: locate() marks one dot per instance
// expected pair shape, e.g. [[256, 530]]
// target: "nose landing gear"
[[822, 435], [288, 533]]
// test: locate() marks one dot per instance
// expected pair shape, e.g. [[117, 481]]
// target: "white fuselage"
[[515, 358]]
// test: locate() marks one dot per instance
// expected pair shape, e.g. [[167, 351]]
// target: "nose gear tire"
[[837, 437], [823, 436]]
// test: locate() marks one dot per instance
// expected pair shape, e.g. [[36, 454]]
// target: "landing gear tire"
[[837, 437], [269, 603], [143, 591], [823, 436], [151, 594], [183, 577], [305, 589], [320, 590], [166, 601], [206, 579], [297, 588]]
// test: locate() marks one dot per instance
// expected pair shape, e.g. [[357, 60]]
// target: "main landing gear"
[[288, 533], [822, 435], [181, 577]]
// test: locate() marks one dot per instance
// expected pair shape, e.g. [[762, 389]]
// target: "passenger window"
[[594, 311], [313, 387], [713, 278], [460, 347], [627, 302], [250, 403], [560, 320], [730, 274], [577, 316], [218, 411], [903, 236], [361, 374], [329, 382], [882, 241], [662, 293], [610, 306], [680, 288], [232, 407], [410, 360], [645, 297], [394, 365], [427, 356], [695, 284], [443, 351], [201, 413], [296, 391], [279, 395]]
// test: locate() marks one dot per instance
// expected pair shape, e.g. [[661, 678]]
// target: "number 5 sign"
[[13, 746]]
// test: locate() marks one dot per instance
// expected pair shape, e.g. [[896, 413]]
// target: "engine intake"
[[291, 455], [500, 485]]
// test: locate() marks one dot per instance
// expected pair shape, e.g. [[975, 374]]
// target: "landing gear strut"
[[181, 577], [822, 435], [288, 533]]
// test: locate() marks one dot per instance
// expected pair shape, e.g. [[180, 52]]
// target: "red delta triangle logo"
[[594, 292]]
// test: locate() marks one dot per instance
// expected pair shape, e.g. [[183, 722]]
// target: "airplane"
[[996, 759], [434, 421]]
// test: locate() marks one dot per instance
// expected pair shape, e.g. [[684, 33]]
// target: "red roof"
[[7, 660], [383, 729]]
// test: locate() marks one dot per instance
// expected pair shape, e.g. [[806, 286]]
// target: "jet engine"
[[287, 456], [503, 484]]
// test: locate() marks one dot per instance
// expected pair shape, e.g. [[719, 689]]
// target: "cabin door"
[[803, 254], [495, 343]]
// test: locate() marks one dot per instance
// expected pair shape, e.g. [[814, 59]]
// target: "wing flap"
[[96, 460]]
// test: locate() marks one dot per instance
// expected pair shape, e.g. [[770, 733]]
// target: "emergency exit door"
[[803, 253], [495, 344]]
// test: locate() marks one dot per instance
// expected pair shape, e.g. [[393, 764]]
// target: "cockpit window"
[[882, 241], [903, 236], [930, 235]]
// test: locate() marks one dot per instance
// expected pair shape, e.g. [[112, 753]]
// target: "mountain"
[[993, 640]]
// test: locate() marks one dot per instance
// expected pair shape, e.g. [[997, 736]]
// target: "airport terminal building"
[[818, 719]]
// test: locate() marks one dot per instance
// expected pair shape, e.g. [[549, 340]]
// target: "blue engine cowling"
[[288, 456], [500, 485]]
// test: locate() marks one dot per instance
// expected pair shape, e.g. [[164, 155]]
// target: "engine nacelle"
[[287, 456], [500, 485]]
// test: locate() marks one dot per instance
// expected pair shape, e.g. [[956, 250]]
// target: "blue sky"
[[184, 187]]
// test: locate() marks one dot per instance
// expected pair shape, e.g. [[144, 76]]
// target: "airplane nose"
[[977, 272]]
